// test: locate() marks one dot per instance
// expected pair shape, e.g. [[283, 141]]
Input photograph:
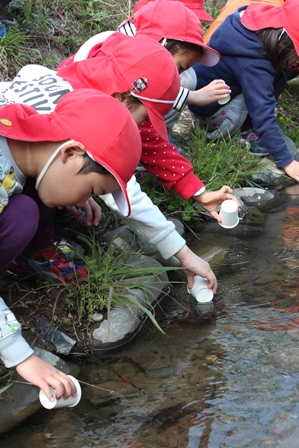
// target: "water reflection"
[[226, 376]]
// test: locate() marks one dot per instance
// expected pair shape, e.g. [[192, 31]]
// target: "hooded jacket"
[[247, 69]]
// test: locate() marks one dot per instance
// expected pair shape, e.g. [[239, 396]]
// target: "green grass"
[[287, 110], [112, 275], [46, 32], [217, 163]]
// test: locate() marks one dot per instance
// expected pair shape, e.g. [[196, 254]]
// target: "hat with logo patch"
[[139, 65], [99, 121]]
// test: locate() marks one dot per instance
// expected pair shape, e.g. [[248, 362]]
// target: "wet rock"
[[291, 146], [124, 324], [20, 401], [265, 279], [290, 441], [254, 217], [97, 317], [252, 196], [265, 200], [125, 238], [271, 176]]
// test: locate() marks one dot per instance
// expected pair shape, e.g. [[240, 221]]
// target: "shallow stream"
[[224, 376]]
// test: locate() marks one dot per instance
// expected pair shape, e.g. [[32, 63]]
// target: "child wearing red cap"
[[177, 27], [157, 150], [126, 72], [61, 151], [229, 8], [259, 44]]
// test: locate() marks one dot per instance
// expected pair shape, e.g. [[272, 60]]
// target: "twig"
[[82, 382], [96, 387], [56, 300]]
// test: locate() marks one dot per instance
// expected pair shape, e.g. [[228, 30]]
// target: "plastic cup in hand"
[[61, 403], [200, 290], [229, 214], [224, 100]]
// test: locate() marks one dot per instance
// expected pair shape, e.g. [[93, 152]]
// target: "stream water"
[[221, 376]]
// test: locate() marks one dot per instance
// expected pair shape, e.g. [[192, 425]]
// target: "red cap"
[[99, 121], [137, 64], [197, 6], [171, 19], [258, 16]]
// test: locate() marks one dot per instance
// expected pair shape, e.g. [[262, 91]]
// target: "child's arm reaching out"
[[16, 352], [43, 375], [215, 91]]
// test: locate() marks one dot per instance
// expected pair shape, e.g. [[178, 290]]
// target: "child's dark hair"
[[279, 46], [90, 166], [175, 46], [128, 100], [131, 101]]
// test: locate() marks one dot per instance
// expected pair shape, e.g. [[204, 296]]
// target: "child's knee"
[[22, 217]]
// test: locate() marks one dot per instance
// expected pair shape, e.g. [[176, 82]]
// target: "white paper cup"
[[224, 100], [61, 403], [229, 214], [200, 290]]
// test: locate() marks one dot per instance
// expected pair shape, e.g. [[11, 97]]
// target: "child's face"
[[293, 63], [184, 59], [64, 186]]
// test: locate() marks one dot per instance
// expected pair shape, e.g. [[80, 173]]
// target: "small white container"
[[61, 403], [200, 290], [225, 100], [229, 214]]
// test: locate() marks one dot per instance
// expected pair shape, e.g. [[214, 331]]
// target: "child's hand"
[[292, 170], [214, 91], [92, 212], [210, 200], [194, 265], [43, 375]]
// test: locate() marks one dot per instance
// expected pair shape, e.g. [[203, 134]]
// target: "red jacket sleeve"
[[163, 160]]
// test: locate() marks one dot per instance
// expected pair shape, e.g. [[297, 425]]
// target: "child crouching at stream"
[[73, 153], [120, 71]]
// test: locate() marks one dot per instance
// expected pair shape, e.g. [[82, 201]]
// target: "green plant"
[[221, 161], [13, 55], [47, 32], [287, 110], [109, 15], [217, 162], [5, 379], [111, 280]]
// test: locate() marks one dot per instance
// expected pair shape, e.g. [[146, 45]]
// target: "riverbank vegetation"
[[47, 31]]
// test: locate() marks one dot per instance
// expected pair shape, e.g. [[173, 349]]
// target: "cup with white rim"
[[229, 214], [61, 403], [200, 290], [226, 99]]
